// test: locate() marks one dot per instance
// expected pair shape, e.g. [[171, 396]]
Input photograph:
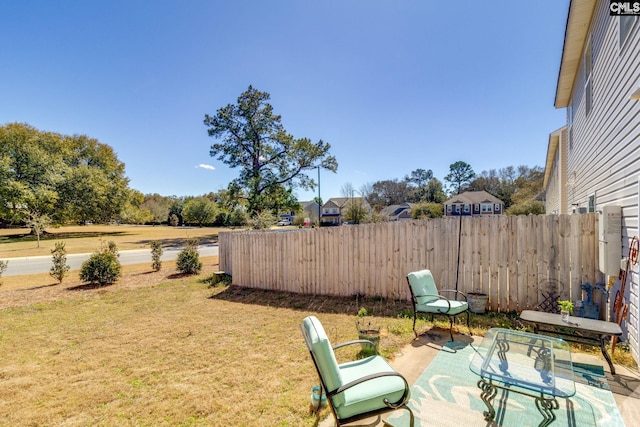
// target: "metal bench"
[[578, 329]]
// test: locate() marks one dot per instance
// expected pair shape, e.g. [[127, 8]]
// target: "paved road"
[[42, 264]]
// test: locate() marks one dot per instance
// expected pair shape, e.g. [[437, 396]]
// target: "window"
[[449, 208], [457, 208], [497, 207], [588, 66], [626, 23], [486, 207], [592, 203], [467, 208]]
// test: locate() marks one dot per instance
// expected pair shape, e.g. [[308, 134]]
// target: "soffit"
[[578, 21]]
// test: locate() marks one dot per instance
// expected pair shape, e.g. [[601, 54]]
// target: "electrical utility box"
[[610, 239]]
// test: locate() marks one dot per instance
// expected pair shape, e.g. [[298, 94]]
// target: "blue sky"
[[392, 85]]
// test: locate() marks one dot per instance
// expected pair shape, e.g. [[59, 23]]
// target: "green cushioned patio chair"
[[426, 298], [358, 389]]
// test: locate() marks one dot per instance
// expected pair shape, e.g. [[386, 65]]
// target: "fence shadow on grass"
[[375, 306]]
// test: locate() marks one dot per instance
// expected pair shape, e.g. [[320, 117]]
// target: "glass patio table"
[[534, 365]]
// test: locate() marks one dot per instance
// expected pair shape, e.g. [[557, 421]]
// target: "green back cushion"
[[323, 353], [422, 283]]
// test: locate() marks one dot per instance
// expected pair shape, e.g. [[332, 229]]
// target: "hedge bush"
[[103, 267], [189, 259]]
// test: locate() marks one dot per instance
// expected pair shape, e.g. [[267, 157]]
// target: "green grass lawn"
[[172, 353]]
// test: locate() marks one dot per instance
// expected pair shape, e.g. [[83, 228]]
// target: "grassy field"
[[18, 242], [162, 349]]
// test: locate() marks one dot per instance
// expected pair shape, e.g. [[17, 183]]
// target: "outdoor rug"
[[446, 394]]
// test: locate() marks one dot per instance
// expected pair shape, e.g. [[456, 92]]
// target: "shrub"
[[59, 268], [218, 279], [103, 267], [189, 259], [528, 207], [262, 220], [156, 253], [427, 210]]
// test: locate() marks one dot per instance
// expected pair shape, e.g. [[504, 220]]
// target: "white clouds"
[[205, 166]]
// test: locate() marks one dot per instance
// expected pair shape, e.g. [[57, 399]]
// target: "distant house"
[[593, 161], [310, 210], [400, 212], [473, 203], [334, 209]]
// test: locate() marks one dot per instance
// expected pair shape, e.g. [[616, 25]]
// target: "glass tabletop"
[[537, 363]]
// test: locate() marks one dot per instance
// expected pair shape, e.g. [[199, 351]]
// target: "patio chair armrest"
[[438, 296], [344, 344], [428, 295], [368, 378], [455, 292]]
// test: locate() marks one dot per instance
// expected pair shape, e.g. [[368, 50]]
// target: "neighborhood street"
[[42, 264]]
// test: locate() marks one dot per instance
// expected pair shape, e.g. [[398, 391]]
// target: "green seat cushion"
[[323, 353], [441, 306], [369, 395]]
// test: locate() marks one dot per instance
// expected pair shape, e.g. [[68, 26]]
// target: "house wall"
[[603, 155], [552, 192], [562, 172], [557, 188], [311, 211]]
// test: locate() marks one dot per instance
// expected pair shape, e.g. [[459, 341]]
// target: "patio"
[[415, 358]]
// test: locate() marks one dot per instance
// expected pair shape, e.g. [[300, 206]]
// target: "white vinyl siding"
[[557, 187], [605, 154]]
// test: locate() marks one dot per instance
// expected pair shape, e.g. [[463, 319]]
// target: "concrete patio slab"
[[414, 358]]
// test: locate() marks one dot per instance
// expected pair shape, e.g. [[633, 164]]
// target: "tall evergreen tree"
[[460, 175], [271, 161]]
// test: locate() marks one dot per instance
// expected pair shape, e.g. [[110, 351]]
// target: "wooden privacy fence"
[[516, 260]]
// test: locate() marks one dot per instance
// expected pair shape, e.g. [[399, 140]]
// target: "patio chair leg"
[[415, 315], [451, 327], [411, 418]]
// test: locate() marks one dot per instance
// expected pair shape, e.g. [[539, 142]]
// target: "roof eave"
[[577, 29]]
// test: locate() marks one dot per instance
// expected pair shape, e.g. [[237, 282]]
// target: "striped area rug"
[[446, 394]]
